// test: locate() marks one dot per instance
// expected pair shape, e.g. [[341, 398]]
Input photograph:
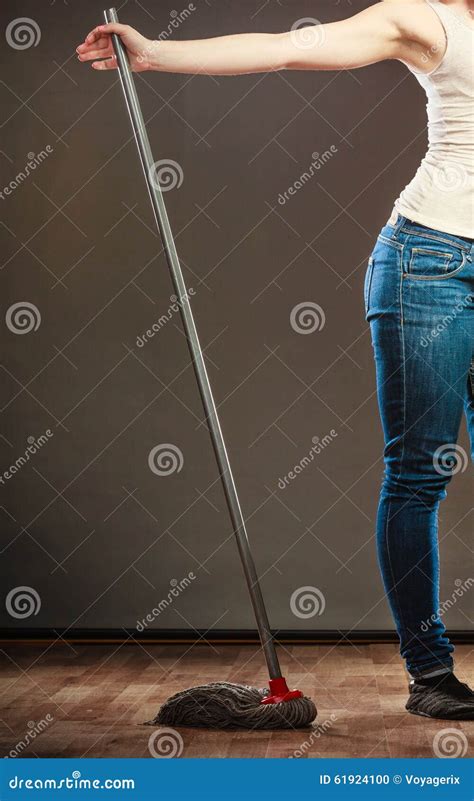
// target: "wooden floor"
[[91, 701]]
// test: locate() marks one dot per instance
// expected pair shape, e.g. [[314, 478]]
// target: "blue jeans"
[[419, 300]]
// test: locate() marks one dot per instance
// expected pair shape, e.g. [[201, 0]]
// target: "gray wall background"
[[86, 523]]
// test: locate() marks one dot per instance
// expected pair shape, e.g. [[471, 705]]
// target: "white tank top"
[[441, 195]]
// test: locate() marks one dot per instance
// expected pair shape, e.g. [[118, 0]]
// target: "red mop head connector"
[[279, 692]]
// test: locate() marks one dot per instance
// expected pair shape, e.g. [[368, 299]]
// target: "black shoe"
[[442, 697]]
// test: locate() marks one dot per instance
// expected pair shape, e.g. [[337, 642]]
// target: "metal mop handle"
[[161, 217]]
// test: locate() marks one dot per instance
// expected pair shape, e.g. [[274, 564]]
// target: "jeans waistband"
[[399, 223]]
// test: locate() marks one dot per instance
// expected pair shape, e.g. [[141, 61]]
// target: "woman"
[[419, 287]]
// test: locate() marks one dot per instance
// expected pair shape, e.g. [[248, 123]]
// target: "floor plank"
[[93, 701]]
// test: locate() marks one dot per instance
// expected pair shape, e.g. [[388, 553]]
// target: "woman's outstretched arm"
[[383, 31]]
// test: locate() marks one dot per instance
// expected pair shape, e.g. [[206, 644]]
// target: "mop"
[[222, 704]]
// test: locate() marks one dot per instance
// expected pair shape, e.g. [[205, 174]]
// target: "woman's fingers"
[[100, 44], [101, 30], [108, 64], [93, 36], [90, 55]]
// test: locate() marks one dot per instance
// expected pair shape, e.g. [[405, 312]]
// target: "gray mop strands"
[[222, 705]]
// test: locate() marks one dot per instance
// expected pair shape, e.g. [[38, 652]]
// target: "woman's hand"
[[98, 45]]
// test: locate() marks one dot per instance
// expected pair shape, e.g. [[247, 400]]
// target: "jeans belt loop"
[[400, 222]]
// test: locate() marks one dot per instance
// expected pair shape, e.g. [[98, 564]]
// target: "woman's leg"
[[420, 304], [469, 407]]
